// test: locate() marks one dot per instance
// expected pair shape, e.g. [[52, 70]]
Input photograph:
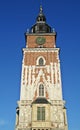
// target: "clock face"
[[40, 40]]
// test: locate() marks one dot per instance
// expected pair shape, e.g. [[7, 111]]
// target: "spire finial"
[[41, 9]]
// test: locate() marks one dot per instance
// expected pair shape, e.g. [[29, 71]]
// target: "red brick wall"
[[31, 41], [31, 57]]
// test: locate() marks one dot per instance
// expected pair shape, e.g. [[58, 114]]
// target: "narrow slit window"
[[41, 90]]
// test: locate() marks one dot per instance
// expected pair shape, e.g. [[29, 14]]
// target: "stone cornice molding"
[[41, 49]]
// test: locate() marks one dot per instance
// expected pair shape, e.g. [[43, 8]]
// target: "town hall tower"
[[41, 105]]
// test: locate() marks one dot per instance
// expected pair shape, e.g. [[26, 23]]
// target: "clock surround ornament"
[[40, 40]]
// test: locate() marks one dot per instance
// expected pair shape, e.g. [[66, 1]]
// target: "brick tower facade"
[[41, 105]]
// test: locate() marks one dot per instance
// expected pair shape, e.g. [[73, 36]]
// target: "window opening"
[[40, 113], [41, 90], [41, 61]]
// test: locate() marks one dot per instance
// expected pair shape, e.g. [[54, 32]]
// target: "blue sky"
[[15, 17]]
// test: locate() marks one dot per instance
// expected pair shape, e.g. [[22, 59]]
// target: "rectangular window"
[[40, 113]]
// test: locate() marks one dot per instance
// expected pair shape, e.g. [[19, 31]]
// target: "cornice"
[[41, 49], [41, 34]]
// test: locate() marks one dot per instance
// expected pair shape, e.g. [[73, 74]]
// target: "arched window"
[[41, 90], [41, 61]]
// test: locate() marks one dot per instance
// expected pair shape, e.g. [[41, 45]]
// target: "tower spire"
[[41, 26], [41, 9]]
